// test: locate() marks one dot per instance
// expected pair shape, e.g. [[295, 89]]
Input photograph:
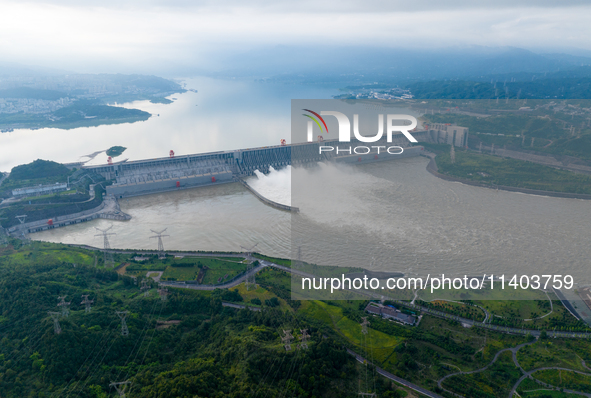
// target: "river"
[[391, 216]]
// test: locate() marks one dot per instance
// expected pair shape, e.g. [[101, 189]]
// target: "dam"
[[142, 177], [175, 173]]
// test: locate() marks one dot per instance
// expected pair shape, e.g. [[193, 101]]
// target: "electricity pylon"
[[24, 230], [304, 338], [364, 325], [298, 263], [108, 256], [122, 315], [286, 339], [145, 288], [120, 387], [248, 250], [86, 302], [250, 274], [163, 292], [56, 324], [160, 245], [64, 305]]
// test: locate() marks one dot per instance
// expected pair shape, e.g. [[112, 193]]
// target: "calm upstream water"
[[391, 216]]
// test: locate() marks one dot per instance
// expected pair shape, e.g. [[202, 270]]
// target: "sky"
[[149, 36]]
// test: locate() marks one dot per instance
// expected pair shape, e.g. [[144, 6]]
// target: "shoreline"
[[433, 169]]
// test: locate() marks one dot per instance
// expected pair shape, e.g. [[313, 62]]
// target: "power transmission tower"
[[56, 324], [120, 387], [3, 235], [108, 256], [122, 315], [299, 260], [24, 230], [160, 245], [86, 302], [304, 338], [163, 292], [64, 305], [145, 288], [250, 274], [286, 339], [364, 325], [248, 250]]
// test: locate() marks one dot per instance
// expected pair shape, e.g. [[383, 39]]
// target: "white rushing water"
[[275, 186]]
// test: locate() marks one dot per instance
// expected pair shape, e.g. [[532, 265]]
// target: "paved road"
[[513, 350], [397, 379], [440, 314], [239, 306], [529, 375], [264, 263], [526, 374]]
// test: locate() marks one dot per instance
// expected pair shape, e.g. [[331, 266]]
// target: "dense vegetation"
[[84, 109], [190, 345], [38, 169], [115, 151], [560, 88], [38, 172], [212, 352]]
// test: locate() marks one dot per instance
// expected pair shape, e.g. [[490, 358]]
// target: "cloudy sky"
[[147, 35]]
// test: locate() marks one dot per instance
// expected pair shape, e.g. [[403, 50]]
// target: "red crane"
[[171, 153], [110, 160], [283, 142]]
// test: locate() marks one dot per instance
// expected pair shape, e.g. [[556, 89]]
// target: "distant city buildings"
[[46, 94]]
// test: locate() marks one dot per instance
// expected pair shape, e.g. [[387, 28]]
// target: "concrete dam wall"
[[140, 177]]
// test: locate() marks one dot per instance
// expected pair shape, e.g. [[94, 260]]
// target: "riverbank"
[[434, 170]]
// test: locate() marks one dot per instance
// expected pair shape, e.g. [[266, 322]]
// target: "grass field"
[[262, 294], [216, 269], [378, 344]]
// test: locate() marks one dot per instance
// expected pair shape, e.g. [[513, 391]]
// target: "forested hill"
[[558, 88], [187, 346]]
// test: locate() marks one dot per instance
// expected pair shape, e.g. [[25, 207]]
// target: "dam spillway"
[[141, 177]]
